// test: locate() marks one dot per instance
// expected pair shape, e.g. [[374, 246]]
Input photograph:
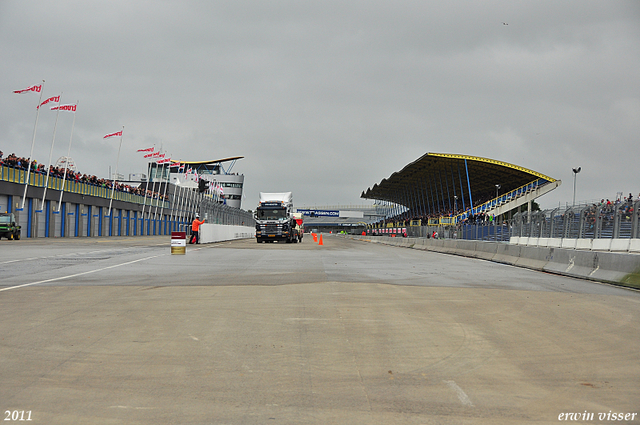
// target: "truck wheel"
[[10, 237], [17, 237]]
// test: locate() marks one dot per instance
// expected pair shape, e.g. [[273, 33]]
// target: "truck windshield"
[[5, 219], [272, 214]]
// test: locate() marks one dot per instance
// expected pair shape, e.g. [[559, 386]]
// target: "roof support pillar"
[[466, 166], [424, 205], [444, 206], [464, 208], [446, 183], [420, 199], [455, 195], [434, 194], [412, 200]]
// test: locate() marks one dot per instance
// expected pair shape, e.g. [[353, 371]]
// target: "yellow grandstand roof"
[[445, 175]]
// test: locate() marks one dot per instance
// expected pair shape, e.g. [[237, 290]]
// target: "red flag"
[[36, 89], [176, 164], [163, 161], [116, 134], [70, 108], [55, 99], [145, 150], [149, 155]]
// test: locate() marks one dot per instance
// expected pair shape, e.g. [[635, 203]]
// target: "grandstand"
[[448, 189]]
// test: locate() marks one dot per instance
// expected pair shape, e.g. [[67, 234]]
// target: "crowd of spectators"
[[21, 163], [608, 209]]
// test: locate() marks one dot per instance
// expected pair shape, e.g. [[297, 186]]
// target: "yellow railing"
[[14, 175]]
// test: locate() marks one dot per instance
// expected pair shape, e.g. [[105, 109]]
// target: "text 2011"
[[17, 415]]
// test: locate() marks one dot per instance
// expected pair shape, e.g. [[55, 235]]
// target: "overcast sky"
[[326, 98]]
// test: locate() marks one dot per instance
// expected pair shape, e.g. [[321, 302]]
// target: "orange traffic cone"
[[320, 243], [315, 237]]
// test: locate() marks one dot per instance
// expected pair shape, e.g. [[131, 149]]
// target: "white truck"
[[275, 219]]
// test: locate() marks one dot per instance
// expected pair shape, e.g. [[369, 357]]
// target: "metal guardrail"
[[15, 175], [615, 221]]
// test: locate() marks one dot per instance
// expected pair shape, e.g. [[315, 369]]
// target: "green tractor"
[[8, 228]]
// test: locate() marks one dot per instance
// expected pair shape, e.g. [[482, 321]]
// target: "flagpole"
[[178, 204], [64, 178], [48, 170], [165, 190], [33, 140], [113, 184], [176, 194], [153, 190], [146, 187]]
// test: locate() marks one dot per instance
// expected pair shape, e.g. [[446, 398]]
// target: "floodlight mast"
[[575, 174]]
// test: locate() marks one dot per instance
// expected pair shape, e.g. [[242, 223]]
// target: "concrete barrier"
[[619, 268], [486, 250], [543, 242], [634, 245], [601, 244], [584, 244], [532, 257], [572, 263], [554, 243], [507, 254], [210, 233], [619, 245]]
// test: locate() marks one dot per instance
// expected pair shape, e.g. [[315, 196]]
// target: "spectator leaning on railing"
[[20, 163]]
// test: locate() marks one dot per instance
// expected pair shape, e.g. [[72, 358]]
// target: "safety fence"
[[608, 221], [16, 175], [612, 221]]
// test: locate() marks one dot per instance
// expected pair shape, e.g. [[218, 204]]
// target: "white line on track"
[[464, 399], [20, 259], [69, 254], [81, 274]]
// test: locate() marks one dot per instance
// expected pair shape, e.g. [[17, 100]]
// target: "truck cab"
[[274, 219]]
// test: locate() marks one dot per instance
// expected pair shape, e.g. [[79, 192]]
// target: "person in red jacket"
[[195, 229]]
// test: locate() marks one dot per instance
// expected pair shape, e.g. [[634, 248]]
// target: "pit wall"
[[620, 268], [210, 233]]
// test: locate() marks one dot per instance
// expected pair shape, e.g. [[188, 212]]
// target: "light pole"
[[497, 189], [575, 174]]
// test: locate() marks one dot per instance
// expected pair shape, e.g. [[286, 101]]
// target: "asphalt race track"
[[119, 331]]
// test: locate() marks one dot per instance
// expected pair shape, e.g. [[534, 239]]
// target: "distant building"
[[224, 186], [337, 218]]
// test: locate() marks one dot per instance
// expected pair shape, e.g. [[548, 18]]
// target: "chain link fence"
[[604, 221]]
